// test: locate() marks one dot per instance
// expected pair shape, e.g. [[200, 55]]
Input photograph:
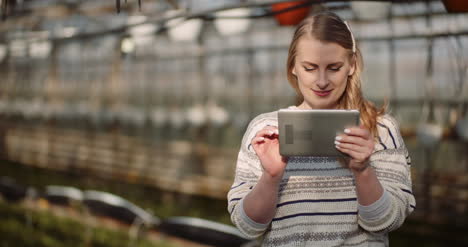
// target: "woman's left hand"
[[358, 143]]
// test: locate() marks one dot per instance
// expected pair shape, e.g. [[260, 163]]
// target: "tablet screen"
[[313, 132]]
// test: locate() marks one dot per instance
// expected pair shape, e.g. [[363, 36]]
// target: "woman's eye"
[[308, 69], [335, 69]]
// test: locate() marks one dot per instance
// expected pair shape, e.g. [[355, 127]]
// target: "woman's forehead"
[[319, 52]]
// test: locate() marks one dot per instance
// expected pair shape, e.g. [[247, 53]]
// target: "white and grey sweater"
[[317, 203]]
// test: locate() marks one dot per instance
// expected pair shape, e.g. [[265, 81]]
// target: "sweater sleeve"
[[248, 171], [392, 165]]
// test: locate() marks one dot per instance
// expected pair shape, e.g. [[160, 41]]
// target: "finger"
[[272, 128], [353, 154], [353, 147], [358, 131], [267, 132], [258, 140], [357, 140]]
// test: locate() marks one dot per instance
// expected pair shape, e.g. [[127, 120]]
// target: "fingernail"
[[337, 143], [277, 132], [271, 132], [338, 138], [261, 138], [337, 147], [347, 131]]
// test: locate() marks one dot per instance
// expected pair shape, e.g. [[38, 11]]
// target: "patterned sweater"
[[317, 203]]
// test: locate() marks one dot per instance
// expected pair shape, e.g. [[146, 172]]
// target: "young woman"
[[319, 201]]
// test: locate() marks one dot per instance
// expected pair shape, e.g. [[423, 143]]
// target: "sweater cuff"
[[248, 220], [376, 210]]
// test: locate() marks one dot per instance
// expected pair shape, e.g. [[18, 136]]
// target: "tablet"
[[313, 132]]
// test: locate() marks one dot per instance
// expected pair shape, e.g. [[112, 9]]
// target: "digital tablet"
[[313, 132]]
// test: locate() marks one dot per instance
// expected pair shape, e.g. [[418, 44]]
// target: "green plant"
[[26, 227]]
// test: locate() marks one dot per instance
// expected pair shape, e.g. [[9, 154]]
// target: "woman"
[[317, 201]]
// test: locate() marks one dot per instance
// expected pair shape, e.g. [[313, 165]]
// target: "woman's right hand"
[[266, 145]]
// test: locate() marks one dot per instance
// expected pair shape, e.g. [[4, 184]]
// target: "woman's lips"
[[322, 93]]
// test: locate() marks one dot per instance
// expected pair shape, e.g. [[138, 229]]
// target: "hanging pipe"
[[393, 63], [117, 5], [4, 9]]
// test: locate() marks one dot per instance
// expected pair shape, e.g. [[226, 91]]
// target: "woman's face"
[[322, 70]]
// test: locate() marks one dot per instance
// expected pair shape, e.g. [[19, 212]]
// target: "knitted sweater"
[[317, 203]]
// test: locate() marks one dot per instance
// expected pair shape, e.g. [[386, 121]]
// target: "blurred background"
[[120, 121]]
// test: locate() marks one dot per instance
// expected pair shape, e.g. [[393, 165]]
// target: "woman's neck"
[[305, 106]]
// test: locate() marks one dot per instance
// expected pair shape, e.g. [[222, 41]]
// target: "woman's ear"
[[293, 71]]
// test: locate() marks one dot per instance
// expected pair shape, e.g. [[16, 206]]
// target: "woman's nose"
[[322, 81]]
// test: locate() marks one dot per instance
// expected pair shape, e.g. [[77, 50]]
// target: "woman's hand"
[[358, 143], [266, 145]]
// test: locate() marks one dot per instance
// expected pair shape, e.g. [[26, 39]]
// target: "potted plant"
[[456, 6], [293, 16]]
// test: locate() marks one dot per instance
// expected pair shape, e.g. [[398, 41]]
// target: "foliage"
[[26, 227]]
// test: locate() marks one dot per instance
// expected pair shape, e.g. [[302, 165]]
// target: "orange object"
[[456, 6], [292, 17]]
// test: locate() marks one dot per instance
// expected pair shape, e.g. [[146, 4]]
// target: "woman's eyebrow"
[[331, 64], [336, 64], [310, 63]]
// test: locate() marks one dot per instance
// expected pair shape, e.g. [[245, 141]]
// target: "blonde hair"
[[329, 27]]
